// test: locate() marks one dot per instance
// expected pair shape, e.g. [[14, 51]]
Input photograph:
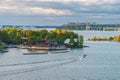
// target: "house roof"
[[68, 40]]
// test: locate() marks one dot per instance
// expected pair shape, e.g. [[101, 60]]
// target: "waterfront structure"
[[26, 27], [24, 40], [91, 26], [49, 45], [71, 26], [103, 27], [74, 43]]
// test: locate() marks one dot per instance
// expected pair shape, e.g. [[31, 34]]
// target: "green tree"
[[80, 41], [60, 38], [11, 35], [71, 40], [111, 38], [52, 35]]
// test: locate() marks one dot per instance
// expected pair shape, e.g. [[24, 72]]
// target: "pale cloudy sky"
[[58, 12]]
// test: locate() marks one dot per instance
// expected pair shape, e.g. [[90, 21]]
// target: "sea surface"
[[101, 63]]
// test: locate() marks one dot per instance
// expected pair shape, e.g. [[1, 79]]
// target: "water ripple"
[[50, 64]]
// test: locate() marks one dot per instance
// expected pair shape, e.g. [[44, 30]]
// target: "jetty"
[[34, 53], [60, 51]]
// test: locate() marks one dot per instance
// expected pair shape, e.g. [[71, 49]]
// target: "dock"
[[31, 53]]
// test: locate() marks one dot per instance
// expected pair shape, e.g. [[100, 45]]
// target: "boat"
[[84, 56]]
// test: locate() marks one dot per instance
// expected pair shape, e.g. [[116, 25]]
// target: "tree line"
[[14, 35]]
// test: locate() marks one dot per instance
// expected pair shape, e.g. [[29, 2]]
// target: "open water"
[[101, 63]]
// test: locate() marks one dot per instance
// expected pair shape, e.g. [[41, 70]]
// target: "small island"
[[40, 39], [115, 38]]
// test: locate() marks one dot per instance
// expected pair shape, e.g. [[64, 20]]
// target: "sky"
[[58, 12]]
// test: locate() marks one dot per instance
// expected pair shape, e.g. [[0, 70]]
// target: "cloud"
[[85, 2], [25, 8], [60, 7], [62, 10], [47, 11]]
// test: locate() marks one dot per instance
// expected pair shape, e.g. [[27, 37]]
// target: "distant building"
[[103, 27]]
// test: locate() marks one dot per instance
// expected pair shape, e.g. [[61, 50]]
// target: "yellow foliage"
[[59, 31], [117, 38]]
